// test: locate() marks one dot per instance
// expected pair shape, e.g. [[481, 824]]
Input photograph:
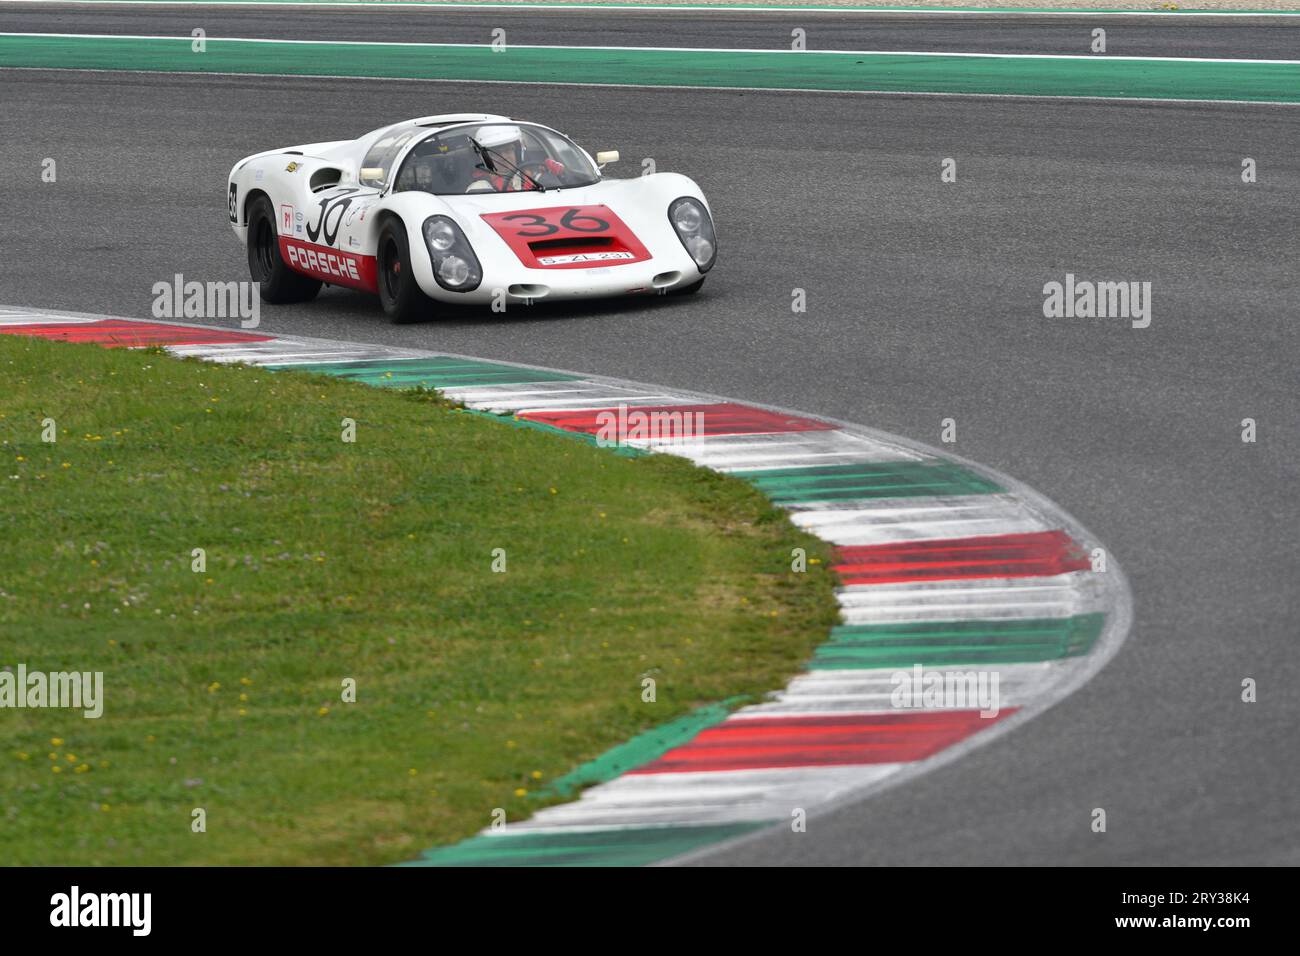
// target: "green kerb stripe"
[[641, 749], [429, 372], [812, 70], [958, 642], [893, 479], [631, 847]]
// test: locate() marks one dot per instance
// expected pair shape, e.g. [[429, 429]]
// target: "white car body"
[[330, 211]]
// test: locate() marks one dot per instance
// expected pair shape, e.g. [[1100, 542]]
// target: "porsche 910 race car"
[[465, 208]]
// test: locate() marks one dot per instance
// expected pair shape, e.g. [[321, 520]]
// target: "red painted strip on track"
[[995, 556], [115, 334], [747, 743], [724, 418]]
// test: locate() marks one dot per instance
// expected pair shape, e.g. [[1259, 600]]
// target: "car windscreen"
[[379, 158], [494, 157]]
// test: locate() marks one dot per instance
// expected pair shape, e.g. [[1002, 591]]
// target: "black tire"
[[402, 298], [691, 289], [277, 282]]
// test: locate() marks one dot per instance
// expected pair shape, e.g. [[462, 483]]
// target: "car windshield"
[[494, 158], [379, 159]]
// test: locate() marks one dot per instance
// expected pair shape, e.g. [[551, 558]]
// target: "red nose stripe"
[[568, 237]]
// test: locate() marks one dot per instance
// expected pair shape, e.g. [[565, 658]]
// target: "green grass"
[[326, 561]]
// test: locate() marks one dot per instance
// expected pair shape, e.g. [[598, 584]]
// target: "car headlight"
[[440, 234], [695, 229], [454, 271], [454, 264]]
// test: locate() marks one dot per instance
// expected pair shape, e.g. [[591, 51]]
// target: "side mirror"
[[606, 156]]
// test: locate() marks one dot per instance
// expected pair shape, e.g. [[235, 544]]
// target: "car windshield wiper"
[[490, 159]]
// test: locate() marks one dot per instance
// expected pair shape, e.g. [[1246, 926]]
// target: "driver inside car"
[[504, 146]]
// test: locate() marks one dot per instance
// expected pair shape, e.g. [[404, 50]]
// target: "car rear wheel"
[[399, 292], [277, 283]]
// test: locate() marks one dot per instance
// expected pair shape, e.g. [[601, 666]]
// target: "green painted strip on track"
[[641, 749], [956, 643], [635, 846], [904, 479], [429, 372], [922, 73]]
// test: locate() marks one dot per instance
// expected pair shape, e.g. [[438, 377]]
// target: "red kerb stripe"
[[117, 334], [677, 421], [996, 556], [754, 743]]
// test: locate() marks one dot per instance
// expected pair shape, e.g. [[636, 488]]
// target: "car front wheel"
[[399, 292]]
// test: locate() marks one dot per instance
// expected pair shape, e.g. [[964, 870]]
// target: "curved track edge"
[[955, 577]]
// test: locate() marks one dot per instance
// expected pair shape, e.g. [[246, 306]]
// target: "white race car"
[[465, 208]]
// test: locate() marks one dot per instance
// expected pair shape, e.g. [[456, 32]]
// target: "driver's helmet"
[[499, 137]]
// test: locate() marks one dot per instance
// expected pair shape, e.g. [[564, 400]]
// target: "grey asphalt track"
[[924, 302], [1235, 37]]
